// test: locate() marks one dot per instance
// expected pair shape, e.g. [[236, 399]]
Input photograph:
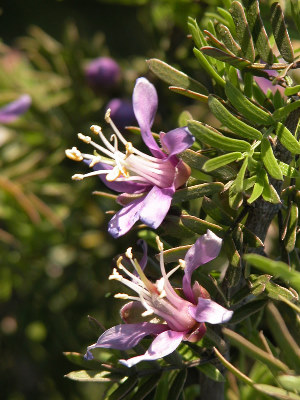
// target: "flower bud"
[[121, 112], [103, 74]]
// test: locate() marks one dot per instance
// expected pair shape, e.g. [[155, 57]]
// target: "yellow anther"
[[182, 263], [129, 149], [123, 296], [119, 261], [159, 244], [113, 174], [74, 154], [78, 177], [85, 139], [107, 116], [96, 129], [129, 253]]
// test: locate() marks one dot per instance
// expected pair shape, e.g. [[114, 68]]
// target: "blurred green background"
[[55, 250]]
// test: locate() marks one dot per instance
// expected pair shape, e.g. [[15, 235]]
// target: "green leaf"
[[246, 310], [291, 234], [269, 159], [275, 268], [290, 382], [287, 170], [198, 225], [206, 65], [227, 119], [216, 139], [280, 33], [197, 160], [146, 387], [258, 32], [287, 139], [225, 35], [194, 192], [196, 33], [290, 91], [258, 187], [276, 392], [269, 193], [228, 18], [235, 198], [184, 117], [237, 62], [295, 11], [220, 161], [253, 351], [124, 388], [189, 93], [246, 107], [174, 77], [236, 372], [278, 292], [79, 360], [282, 112], [211, 372], [216, 211], [174, 254], [258, 283], [242, 30], [249, 237], [93, 376], [239, 182], [177, 386]]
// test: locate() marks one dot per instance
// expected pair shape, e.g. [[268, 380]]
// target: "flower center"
[[131, 165], [159, 298]]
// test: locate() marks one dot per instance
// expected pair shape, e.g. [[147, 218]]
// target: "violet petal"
[[176, 140], [13, 110], [163, 345], [124, 186], [205, 249], [156, 205], [209, 311], [145, 101], [124, 219], [124, 337]]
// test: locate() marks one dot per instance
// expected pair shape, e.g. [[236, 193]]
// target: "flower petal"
[[156, 205], [124, 337], [13, 110], [124, 219], [205, 249], [145, 101], [162, 345], [176, 141], [209, 311], [124, 186]]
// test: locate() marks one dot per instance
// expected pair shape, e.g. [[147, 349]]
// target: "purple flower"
[[266, 84], [121, 112], [13, 110], [103, 73], [158, 310], [152, 179]]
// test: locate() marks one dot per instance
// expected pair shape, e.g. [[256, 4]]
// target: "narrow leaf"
[[237, 62], [258, 31], [211, 372], [253, 351], [258, 187], [124, 389], [246, 310], [240, 176], [232, 368], [189, 93], [177, 386], [93, 376], [146, 387], [234, 124], [280, 33], [275, 268], [246, 107], [242, 30], [269, 159], [218, 162], [290, 382], [194, 192], [290, 91], [287, 170], [216, 211], [196, 33], [291, 234], [174, 77], [276, 392], [199, 225], [225, 35], [283, 112], [206, 65], [216, 139]]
